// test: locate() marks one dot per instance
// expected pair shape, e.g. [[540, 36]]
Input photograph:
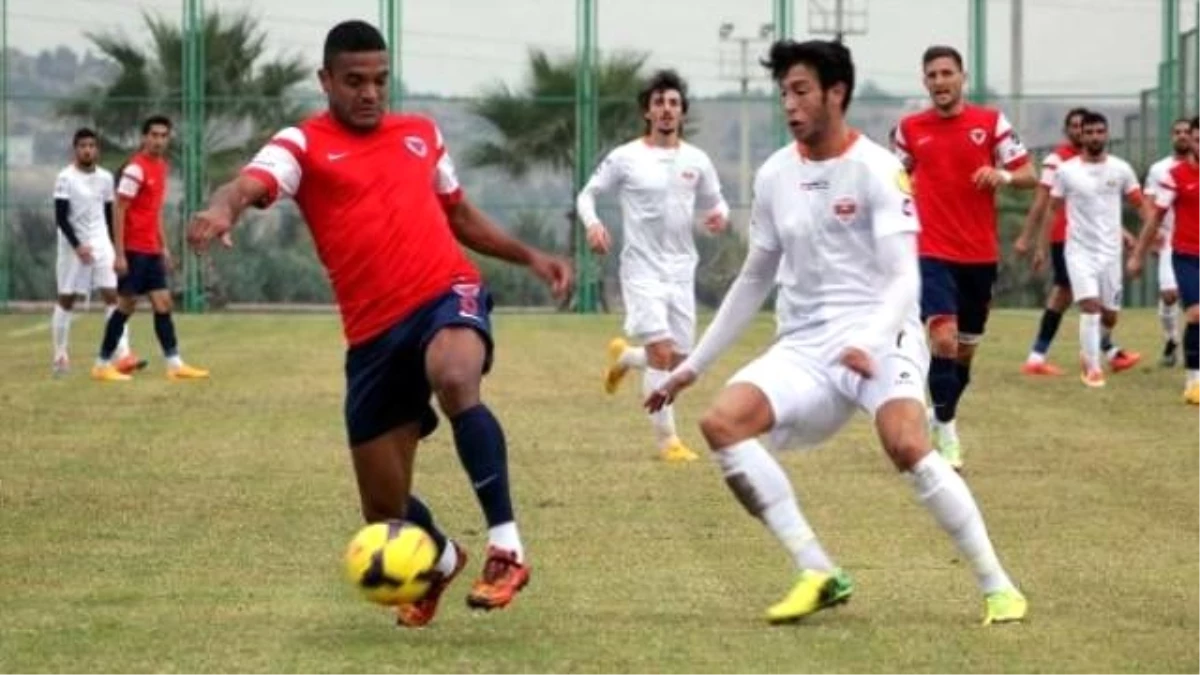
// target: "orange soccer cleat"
[[421, 612], [503, 577]]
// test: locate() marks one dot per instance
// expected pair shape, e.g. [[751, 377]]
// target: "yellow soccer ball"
[[390, 562]]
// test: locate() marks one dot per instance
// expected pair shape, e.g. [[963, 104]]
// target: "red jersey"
[[1180, 191], [143, 187], [958, 220], [1058, 228], [375, 205]]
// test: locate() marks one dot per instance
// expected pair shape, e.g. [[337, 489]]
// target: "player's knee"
[[1060, 299], [660, 355], [456, 386], [67, 302], [903, 431], [1090, 306], [161, 303], [943, 338], [1170, 297]]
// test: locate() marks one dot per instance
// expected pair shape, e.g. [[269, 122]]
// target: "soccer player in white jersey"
[[663, 182], [834, 226], [83, 199], [1091, 185], [1168, 289]]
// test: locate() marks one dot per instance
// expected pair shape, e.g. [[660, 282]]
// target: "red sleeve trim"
[[267, 179], [288, 145], [452, 198]]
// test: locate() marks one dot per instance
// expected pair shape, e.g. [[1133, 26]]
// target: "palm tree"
[[536, 122], [247, 98]]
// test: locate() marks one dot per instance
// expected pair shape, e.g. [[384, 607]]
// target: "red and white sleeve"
[[277, 164], [445, 181]]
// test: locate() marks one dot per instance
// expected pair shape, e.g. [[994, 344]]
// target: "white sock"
[[663, 421], [507, 537], [1193, 377], [947, 430], [633, 357], [1089, 340], [174, 362], [1036, 357], [60, 325], [762, 487], [448, 560], [948, 498], [1168, 316]]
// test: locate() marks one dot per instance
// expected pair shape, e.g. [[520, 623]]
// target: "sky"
[[460, 47]]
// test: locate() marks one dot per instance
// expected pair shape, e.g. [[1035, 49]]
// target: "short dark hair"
[[1195, 123], [83, 133], [352, 36], [830, 59], [1092, 117], [941, 52], [1072, 114], [663, 80], [156, 121]]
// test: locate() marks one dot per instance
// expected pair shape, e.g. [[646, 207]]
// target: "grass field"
[[199, 526]]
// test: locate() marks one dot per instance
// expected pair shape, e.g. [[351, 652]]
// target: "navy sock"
[[164, 328], [112, 334], [1047, 330], [1191, 346], [943, 387], [963, 371], [483, 453], [1106, 341], [418, 514]]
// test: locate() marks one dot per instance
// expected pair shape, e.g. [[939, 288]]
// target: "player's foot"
[[615, 372], [812, 592], [1005, 606], [109, 373], [130, 363], [675, 452], [1040, 368], [1169, 357], [421, 612], [61, 365], [1092, 378], [186, 372], [949, 447], [503, 577], [1124, 360], [1191, 395]]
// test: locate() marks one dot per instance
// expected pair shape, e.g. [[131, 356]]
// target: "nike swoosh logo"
[[335, 156], [485, 481]]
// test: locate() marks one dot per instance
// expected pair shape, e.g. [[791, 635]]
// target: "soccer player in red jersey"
[[959, 155], [142, 256], [1180, 193], [386, 212]]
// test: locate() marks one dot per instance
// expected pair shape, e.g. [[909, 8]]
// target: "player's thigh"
[[1112, 284], [1085, 277], [806, 407], [647, 314], [1166, 272], [1187, 271], [681, 317], [386, 386], [383, 468], [456, 340], [1058, 266], [975, 283]]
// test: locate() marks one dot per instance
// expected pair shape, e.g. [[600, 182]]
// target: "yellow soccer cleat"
[[812, 592], [109, 373], [615, 371], [1191, 395], [675, 452], [186, 372], [1007, 606]]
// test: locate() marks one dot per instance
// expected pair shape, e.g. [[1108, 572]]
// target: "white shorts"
[[660, 310], [1095, 277], [1166, 271], [78, 278], [812, 396]]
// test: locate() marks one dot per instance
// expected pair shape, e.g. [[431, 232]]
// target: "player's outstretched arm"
[[476, 231], [225, 206], [1031, 228]]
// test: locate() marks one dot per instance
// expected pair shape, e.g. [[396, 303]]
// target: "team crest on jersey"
[[844, 209], [688, 175], [903, 182], [416, 145], [978, 136]]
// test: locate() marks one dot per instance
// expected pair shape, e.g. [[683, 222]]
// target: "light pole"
[[766, 32]]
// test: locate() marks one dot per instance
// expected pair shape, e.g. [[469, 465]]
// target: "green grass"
[[199, 526]]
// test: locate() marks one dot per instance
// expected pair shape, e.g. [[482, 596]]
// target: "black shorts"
[[961, 290], [1058, 265], [1187, 277], [147, 272], [386, 383]]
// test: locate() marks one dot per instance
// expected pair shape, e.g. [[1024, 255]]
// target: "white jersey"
[[1093, 192], [825, 218], [1154, 184], [86, 193], [660, 191]]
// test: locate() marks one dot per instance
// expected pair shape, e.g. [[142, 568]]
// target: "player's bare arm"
[[120, 264], [991, 177], [476, 231], [225, 206], [1031, 229], [1042, 254], [1151, 221]]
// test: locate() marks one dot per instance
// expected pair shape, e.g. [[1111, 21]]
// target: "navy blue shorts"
[[386, 383], [1058, 265], [961, 290], [1187, 276], [147, 272]]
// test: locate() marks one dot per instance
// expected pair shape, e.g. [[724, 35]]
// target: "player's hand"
[[716, 223], [1039, 259], [666, 392], [120, 265], [858, 361], [1133, 266], [597, 238], [1128, 239], [1021, 246], [168, 261], [207, 225], [555, 271], [990, 178], [85, 254]]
